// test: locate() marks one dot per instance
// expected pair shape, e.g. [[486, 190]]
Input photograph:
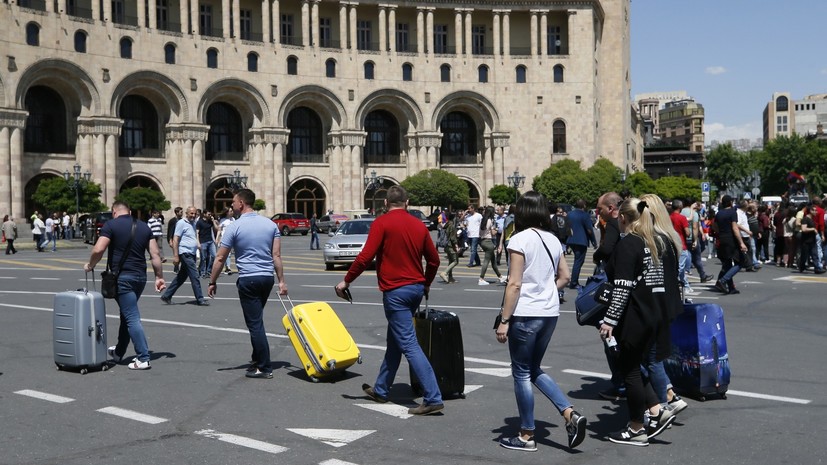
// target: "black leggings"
[[639, 393]]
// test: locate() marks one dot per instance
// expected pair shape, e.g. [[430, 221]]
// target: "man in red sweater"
[[399, 241]]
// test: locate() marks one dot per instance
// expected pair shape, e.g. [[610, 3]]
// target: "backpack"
[[441, 239]]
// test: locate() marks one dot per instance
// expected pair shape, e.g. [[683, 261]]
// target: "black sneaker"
[[733, 291], [659, 423], [677, 404], [706, 278], [166, 300], [613, 394], [576, 429], [722, 286], [516, 443], [258, 374], [629, 437]]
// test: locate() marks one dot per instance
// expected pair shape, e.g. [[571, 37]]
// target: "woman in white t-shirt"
[[529, 315]]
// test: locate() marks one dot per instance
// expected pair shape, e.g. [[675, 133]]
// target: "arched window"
[[483, 73], [306, 143], [382, 142], [46, 123], [126, 48], [330, 68], [169, 54], [521, 72], [226, 138], [459, 139], [407, 72], [445, 73], [80, 41], [252, 62], [140, 128], [212, 58], [33, 34], [558, 137], [558, 73], [782, 104], [369, 68], [292, 65]]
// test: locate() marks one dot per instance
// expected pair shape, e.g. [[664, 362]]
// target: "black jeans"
[[639, 393], [10, 246]]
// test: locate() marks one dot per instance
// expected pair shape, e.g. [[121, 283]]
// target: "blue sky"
[[730, 55]]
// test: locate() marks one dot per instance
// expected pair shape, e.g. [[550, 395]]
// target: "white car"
[[346, 243]]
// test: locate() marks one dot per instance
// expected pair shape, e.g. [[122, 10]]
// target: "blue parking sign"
[[704, 187]]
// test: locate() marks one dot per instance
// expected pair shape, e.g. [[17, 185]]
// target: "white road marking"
[[486, 361], [336, 462], [242, 441], [592, 374], [333, 437], [498, 372], [394, 410], [499, 291], [132, 415], [46, 279], [469, 388], [44, 396], [750, 282], [328, 286], [8, 277]]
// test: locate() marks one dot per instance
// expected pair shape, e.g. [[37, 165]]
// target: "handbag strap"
[[553, 265], [126, 251]]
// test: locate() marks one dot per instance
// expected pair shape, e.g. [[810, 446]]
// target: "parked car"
[[289, 223], [331, 222], [421, 216], [346, 243], [93, 224]]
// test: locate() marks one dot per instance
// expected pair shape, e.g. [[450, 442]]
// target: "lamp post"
[[237, 181], [372, 183], [75, 179], [516, 181]]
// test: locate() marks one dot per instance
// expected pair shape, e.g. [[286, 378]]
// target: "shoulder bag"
[[109, 280]]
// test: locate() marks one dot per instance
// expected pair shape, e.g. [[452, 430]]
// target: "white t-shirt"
[[65, 220], [538, 292], [472, 224], [50, 225]]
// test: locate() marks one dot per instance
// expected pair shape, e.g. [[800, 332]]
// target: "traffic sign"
[[747, 196], [704, 196], [704, 186]]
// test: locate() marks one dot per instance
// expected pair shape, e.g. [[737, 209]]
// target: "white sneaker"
[[503, 279], [139, 365], [111, 352], [483, 282]]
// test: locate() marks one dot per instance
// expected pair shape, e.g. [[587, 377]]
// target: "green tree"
[[563, 181], [678, 187], [726, 167], [143, 200], [502, 194], [785, 154], [603, 176], [259, 205], [436, 187], [640, 183], [55, 194]]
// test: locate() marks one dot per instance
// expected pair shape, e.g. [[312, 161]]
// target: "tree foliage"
[[565, 181], [143, 199], [678, 187], [640, 183], [785, 154], [259, 205], [502, 194], [726, 167], [56, 195], [436, 187]]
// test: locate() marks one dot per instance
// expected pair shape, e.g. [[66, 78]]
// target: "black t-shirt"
[[118, 231], [204, 229], [808, 237], [724, 219]]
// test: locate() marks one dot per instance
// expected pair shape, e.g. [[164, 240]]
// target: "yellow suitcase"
[[322, 342]]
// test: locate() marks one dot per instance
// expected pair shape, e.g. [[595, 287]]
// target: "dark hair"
[[397, 196], [487, 219], [580, 204], [726, 201], [532, 212], [247, 196], [120, 204]]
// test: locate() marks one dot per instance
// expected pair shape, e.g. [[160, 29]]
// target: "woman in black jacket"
[[643, 270]]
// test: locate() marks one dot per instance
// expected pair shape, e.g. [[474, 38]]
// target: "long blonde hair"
[[663, 224], [639, 221]]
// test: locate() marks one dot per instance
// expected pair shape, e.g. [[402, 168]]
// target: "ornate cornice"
[[348, 138], [269, 136], [94, 125], [10, 118], [187, 131], [429, 139], [500, 139]]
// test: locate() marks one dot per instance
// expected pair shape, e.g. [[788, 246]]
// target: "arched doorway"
[[219, 196], [31, 187], [140, 181], [375, 198], [473, 194], [306, 196]]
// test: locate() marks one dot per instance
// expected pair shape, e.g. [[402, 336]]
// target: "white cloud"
[[721, 132], [715, 70]]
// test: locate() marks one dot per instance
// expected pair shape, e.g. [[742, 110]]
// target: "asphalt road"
[[196, 407]]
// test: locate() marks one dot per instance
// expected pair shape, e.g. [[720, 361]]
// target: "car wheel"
[[285, 231], [328, 266]]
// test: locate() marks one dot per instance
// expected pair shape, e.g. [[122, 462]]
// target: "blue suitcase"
[[699, 364]]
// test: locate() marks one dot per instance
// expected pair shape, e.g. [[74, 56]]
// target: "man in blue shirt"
[[184, 245], [257, 245], [582, 234]]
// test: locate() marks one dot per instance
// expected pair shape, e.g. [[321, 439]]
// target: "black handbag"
[[109, 280]]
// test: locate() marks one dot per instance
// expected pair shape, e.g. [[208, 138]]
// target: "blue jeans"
[[474, 258], [579, 259], [51, 237], [400, 303], [654, 371], [253, 292], [186, 269], [130, 288], [696, 260], [528, 338], [207, 258], [314, 239], [684, 263]]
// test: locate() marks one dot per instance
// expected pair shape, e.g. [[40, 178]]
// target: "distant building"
[[650, 105], [664, 161], [779, 119], [682, 124], [741, 145], [809, 113]]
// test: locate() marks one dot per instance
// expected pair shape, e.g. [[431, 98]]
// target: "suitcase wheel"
[[314, 379], [359, 359], [702, 398], [104, 367], [83, 371]]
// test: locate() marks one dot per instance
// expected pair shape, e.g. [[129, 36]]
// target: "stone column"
[[412, 163], [506, 33], [107, 13], [141, 16], [182, 10], [194, 16], [429, 30], [469, 45], [276, 22], [500, 143], [96, 11], [392, 29], [279, 190], [487, 165], [111, 161], [305, 23], [153, 14], [458, 30], [496, 33], [265, 21], [186, 162], [428, 143], [102, 133], [346, 168], [353, 42], [314, 23], [12, 123], [236, 19], [343, 26], [225, 18], [383, 33], [420, 31], [533, 33], [543, 33], [61, 6]]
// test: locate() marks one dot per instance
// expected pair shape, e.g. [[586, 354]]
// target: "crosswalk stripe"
[[242, 441], [132, 415], [44, 396]]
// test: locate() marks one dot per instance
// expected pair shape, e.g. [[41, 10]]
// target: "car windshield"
[[354, 227]]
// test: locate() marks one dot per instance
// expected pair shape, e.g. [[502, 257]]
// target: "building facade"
[[682, 123], [305, 97], [779, 117]]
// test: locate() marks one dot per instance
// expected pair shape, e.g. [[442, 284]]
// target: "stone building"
[[305, 97]]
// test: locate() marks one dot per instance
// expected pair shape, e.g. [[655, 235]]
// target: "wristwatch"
[[504, 321], [212, 284]]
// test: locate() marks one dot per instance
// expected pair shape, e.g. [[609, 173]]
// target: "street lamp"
[[237, 181], [516, 181], [372, 183], [75, 179]]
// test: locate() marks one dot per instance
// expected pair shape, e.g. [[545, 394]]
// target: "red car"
[[292, 222]]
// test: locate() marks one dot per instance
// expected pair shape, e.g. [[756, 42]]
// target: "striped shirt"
[[156, 226]]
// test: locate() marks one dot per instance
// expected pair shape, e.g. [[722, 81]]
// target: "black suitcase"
[[440, 337]]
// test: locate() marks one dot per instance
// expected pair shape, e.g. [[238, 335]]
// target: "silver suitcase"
[[79, 331]]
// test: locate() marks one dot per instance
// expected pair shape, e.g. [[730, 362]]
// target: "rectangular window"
[[555, 40], [287, 30], [402, 37], [363, 35], [205, 20], [325, 33], [161, 14], [478, 39], [118, 14], [440, 38], [246, 25]]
